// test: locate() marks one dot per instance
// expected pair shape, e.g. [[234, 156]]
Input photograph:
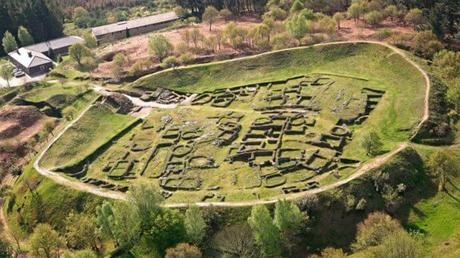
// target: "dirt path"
[[376, 162]]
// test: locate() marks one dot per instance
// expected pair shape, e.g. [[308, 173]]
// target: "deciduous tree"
[[9, 42], [374, 229], [119, 61], [397, 245], [81, 232], [78, 52], [210, 15], [414, 17], [6, 72], [45, 241], [372, 144], [265, 232], [195, 225], [160, 46], [24, 37], [440, 165]]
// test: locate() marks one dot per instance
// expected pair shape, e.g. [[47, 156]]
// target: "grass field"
[[97, 126], [346, 71], [380, 65]]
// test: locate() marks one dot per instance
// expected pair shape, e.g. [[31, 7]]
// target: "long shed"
[[125, 29]]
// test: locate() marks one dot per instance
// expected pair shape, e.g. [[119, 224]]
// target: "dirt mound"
[[16, 120]]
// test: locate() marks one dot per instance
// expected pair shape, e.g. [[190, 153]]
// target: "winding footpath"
[[363, 169]]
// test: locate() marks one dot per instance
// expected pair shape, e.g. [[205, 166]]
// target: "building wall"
[[40, 70], [148, 28], [106, 38], [33, 71]]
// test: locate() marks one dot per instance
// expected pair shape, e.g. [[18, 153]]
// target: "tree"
[[372, 144], [90, 40], [24, 37], [392, 12], [167, 231], [79, 51], [44, 241], [225, 14], [183, 250], [414, 17], [398, 245], [426, 44], [338, 17], [119, 61], [236, 240], [374, 229], [81, 17], [287, 216], [195, 226], [297, 26], [210, 15], [160, 46], [196, 37], [355, 11], [265, 232], [6, 72], [288, 219], [119, 222], [9, 42], [374, 18], [439, 164], [81, 232], [448, 63]]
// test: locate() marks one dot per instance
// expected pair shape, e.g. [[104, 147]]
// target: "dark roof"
[[145, 21], [55, 44], [29, 58]]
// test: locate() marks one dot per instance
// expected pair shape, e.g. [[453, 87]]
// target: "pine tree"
[[195, 225]]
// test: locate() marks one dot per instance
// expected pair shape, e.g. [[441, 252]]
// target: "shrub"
[[426, 44], [374, 18], [448, 62], [169, 62], [281, 40], [382, 34], [400, 244], [372, 144], [139, 67], [183, 250], [185, 58], [326, 25], [373, 230], [414, 17]]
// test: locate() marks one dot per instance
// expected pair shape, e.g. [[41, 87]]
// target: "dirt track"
[[376, 162]]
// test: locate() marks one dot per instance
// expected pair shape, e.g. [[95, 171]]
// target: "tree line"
[[42, 18]]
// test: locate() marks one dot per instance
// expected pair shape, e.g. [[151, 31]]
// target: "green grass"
[[45, 93], [97, 126], [48, 202], [402, 106]]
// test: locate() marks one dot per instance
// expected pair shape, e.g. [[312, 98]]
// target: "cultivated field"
[[248, 129]]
